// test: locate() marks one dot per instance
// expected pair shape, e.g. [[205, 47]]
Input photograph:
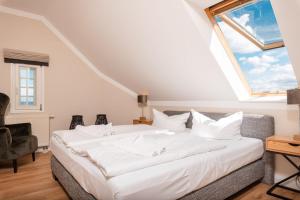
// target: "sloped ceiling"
[[146, 45], [153, 46]]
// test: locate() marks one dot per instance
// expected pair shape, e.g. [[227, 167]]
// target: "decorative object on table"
[[287, 147], [142, 102], [76, 120], [16, 140], [101, 119], [142, 121], [293, 97]]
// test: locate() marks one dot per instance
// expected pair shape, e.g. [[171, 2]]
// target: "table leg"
[[278, 184]]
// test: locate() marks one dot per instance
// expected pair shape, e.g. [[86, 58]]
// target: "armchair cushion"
[[24, 144], [20, 146], [5, 133], [5, 139], [16, 130], [17, 140]]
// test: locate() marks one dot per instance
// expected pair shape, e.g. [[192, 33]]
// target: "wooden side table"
[[142, 121], [287, 147]]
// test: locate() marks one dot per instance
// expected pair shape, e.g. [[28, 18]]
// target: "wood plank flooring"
[[34, 182]]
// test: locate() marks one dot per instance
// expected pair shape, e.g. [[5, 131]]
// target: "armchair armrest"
[[23, 129], [5, 139]]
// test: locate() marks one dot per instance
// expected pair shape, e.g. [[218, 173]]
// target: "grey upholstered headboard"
[[253, 125]]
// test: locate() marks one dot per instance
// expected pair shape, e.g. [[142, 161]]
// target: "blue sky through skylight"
[[259, 20], [265, 71]]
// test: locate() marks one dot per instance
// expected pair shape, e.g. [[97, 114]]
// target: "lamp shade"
[[142, 99], [293, 96]]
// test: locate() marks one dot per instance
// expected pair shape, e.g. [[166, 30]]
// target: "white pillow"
[[225, 128], [173, 123]]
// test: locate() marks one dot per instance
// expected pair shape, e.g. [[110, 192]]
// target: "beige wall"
[[71, 87]]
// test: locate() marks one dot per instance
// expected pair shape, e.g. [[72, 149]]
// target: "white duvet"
[[79, 141], [82, 134], [117, 156], [132, 148]]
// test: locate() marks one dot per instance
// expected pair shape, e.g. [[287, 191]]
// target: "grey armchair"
[[16, 140]]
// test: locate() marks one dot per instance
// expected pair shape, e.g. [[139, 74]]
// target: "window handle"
[[41, 107]]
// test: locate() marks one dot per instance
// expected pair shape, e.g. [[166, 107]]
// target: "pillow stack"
[[224, 128]]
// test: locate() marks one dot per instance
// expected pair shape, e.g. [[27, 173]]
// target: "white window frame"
[[15, 107]]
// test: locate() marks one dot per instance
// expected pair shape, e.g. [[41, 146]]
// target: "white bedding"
[[169, 180], [77, 137], [122, 156], [80, 142]]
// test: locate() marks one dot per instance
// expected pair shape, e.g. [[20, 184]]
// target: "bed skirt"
[[217, 190]]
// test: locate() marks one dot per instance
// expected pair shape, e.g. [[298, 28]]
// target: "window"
[[27, 88], [250, 34]]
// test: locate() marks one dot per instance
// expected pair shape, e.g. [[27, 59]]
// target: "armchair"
[[16, 140]]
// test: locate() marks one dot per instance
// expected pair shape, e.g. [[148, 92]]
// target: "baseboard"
[[43, 149]]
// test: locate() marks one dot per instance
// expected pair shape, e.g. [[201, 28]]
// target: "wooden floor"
[[34, 182]]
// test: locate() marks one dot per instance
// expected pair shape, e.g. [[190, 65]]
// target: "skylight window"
[[250, 30]]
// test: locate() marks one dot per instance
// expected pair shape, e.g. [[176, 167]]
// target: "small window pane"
[[30, 101], [23, 100], [23, 82], [23, 72], [27, 84], [32, 72], [30, 92], [23, 92], [30, 83]]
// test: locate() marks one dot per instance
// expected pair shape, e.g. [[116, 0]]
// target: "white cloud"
[[260, 63], [258, 70], [242, 59], [282, 69], [278, 77]]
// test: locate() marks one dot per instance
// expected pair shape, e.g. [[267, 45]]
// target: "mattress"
[[170, 180]]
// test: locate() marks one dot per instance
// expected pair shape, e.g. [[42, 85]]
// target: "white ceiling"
[[146, 45]]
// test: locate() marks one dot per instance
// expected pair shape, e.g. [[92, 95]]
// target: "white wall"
[[71, 87]]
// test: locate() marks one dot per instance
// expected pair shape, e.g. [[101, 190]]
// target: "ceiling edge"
[[72, 47]]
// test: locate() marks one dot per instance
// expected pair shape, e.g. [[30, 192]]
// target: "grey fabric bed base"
[[218, 190]]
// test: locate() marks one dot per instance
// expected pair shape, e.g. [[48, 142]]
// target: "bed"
[[179, 179]]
